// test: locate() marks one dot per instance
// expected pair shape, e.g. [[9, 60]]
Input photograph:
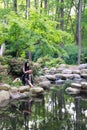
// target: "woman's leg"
[[30, 84]]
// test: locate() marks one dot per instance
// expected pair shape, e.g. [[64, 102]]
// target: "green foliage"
[[84, 27], [0, 78], [4, 59], [71, 54], [16, 66], [55, 62], [50, 61], [84, 54], [38, 34]]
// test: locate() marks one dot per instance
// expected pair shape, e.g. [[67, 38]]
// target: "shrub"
[[72, 54]]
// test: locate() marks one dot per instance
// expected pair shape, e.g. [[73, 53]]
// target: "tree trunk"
[[79, 31], [36, 4], [62, 15], [45, 6], [27, 7], [41, 5], [15, 5]]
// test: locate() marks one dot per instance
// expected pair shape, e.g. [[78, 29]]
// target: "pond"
[[55, 110]]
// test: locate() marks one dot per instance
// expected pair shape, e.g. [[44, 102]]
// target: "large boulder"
[[45, 84], [4, 87], [73, 91], [35, 91], [67, 71], [67, 76], [4, 95], [83, 66], [84, 76], [84, 85], [24, 89], [76, 85], [51, 77]]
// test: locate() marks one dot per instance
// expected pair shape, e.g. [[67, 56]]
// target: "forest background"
[[49, 31]]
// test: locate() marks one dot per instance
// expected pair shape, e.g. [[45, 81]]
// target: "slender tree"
[[45, 6], [15, 5], [62, 15], [79, 31], [41, 5], [27, 9]]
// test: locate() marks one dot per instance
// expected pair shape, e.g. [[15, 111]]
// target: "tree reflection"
[[54, 111], [78, 112], [25, 109]]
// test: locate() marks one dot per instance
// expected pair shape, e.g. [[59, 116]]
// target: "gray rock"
[[67, 71], [76, 71], [51, 77], [45, 84], [84, 71], [4, 87], [4, 95], [36, 91], [71, 90], [67, 76], [84, 76], [83, 66], [84, 85], [24, 89], [76, 85]]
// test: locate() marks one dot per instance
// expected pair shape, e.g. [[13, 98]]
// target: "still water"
[[56, 110]]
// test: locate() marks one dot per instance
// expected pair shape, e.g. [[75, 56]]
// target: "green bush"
[[0, 78], [72, 54], [55, 62], [4, 60], [50, 61], [16, 66], [84, 54]]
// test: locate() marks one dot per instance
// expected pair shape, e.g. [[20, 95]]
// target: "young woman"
[[26, 73]]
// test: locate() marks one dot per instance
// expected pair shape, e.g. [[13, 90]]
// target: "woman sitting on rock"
[[26, 74]]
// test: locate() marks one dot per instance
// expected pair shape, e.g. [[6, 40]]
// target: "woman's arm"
[[24, 70]]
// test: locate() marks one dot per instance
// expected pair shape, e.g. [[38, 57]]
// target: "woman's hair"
[[26, 66]]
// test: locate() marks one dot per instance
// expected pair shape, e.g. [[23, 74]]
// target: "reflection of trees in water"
[[78, 112], [53, 116], [48, 113], [16, 117], [25, 108]]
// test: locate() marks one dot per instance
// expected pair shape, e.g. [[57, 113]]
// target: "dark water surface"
[[53, 111]]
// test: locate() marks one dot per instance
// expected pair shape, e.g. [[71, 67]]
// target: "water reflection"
[[54, 111]]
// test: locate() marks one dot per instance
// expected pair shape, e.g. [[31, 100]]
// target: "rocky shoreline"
[[49, 77]]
